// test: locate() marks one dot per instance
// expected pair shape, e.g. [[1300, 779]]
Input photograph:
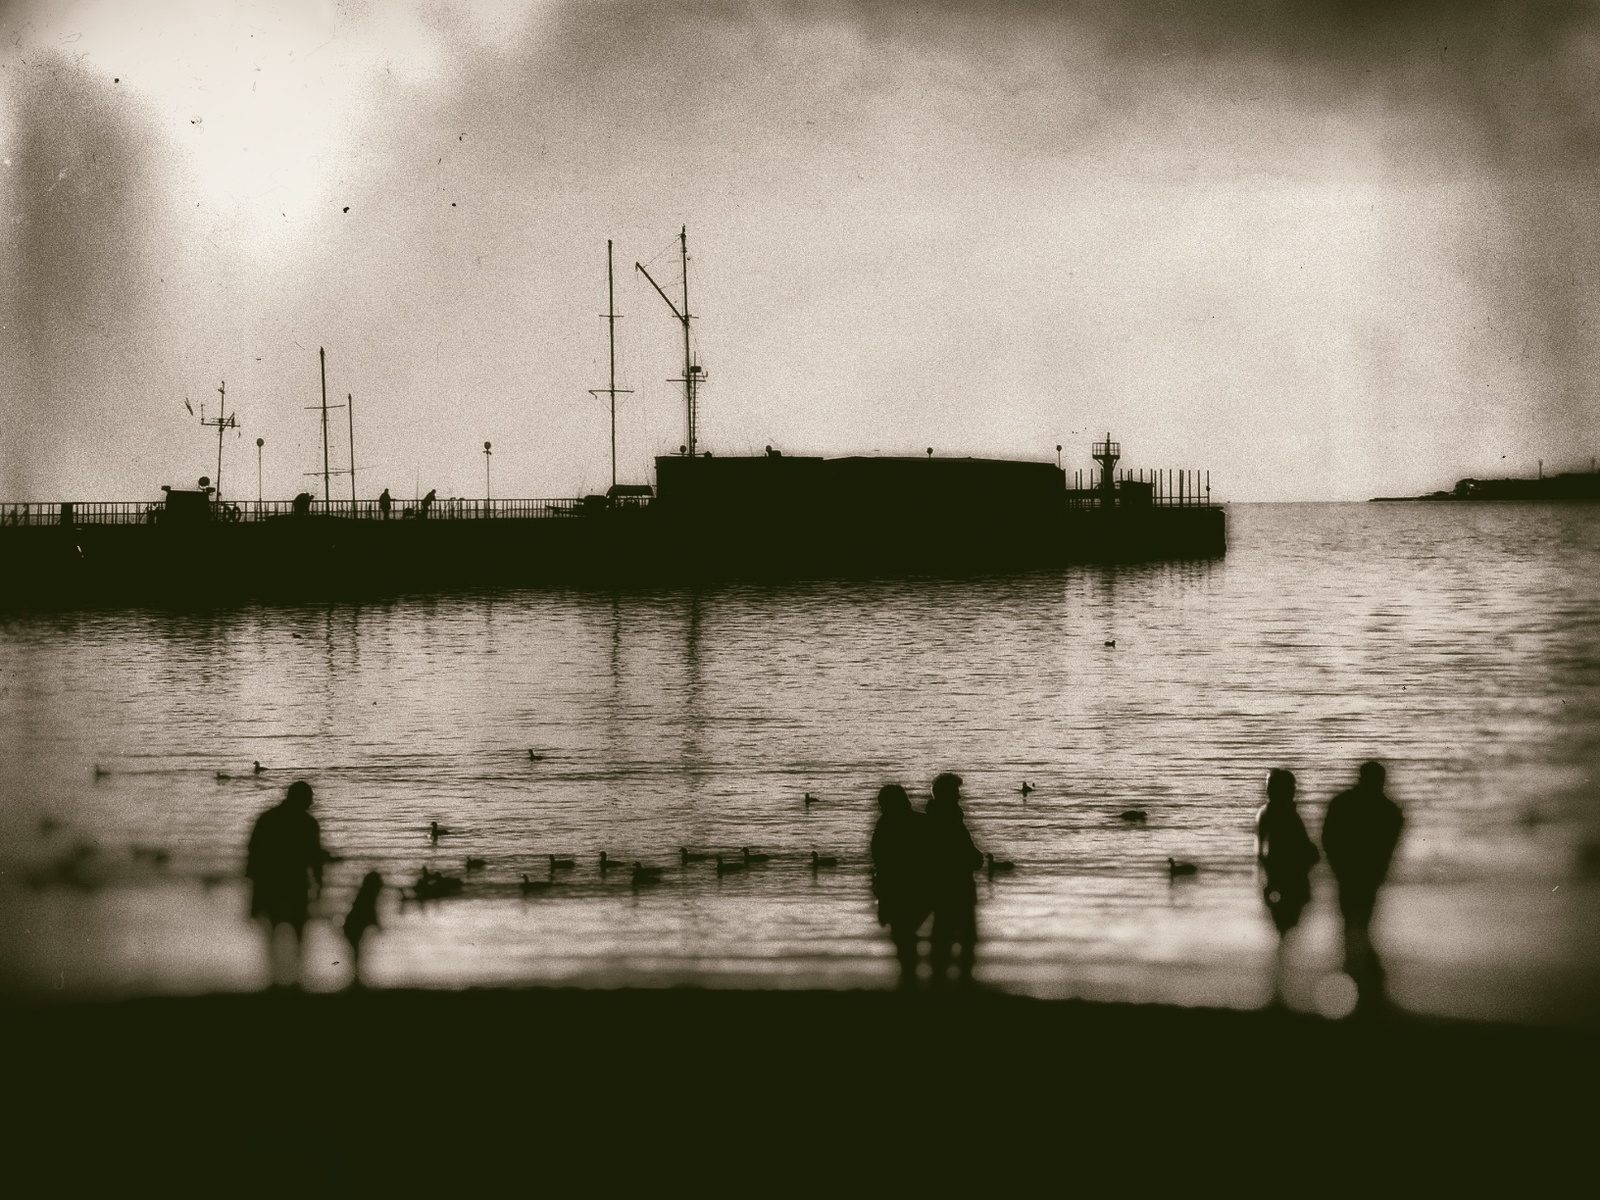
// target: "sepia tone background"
[[1324, 250]]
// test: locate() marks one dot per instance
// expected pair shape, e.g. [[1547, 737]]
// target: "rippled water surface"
[[1459, 644]]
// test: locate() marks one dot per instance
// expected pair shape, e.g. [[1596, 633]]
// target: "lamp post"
[[260, 442], [1058, 456], [488, 496]]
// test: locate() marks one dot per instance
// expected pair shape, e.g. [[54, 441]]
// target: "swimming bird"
[[100, 772], [686, 856], [728, 868], [1135, 816], [258, 767], [818, 860], [1000, 867], [608, 864], [1180, 868], [532, 757], [752, 859], [561, 864], [642, 874], [1112, 643], [223, 775], [1026, 787], [530, 886], [476, 864], [810, 800], [431, 885], [436, 830]]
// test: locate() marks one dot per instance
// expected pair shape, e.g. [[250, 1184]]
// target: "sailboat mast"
[[322, 359], [611, 324], [350, 404], [688, 362]]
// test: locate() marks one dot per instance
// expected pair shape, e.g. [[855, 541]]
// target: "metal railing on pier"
[[1175, 488], [143, 512]]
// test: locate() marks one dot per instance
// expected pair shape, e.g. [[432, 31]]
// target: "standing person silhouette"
[[1359, 835], [362, 917], [285, 857], [384, 503], [427, 503], [900, 875], [952, 858], [1286, 854]]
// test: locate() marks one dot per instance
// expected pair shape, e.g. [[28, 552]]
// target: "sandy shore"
[[800, 1073]]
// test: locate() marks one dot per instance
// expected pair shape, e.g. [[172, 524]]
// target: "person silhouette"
[[383, 503], [951, 858], [302, 504], [1359, 836], [427, 503], [1286, 854], [362, 917], [899, 875], [285, 856]]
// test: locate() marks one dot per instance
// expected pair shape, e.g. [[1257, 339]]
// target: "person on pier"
[[1286, 854], [900, 876], [284, 860], [384, 503], [952, 858], [1359, 835]]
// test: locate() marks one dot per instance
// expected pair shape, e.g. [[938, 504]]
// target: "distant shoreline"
[[1574, 486]]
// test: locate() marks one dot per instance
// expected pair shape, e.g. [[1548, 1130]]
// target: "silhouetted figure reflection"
[[952, 858], [285, 857], [362, 917], [899, 875], [1286, 854], [1359, 836]]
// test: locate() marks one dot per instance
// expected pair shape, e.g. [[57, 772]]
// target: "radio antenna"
[[221, 422]]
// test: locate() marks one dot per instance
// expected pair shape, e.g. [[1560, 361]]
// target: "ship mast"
[[322, 360], [222, 422], [692, 375], [613, 391]]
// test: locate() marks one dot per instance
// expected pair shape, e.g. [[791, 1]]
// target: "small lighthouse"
[[1107, 453]]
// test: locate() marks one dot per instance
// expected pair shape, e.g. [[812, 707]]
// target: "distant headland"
[[1572, 485]]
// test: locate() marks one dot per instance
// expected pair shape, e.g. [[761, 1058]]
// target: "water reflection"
[[1465, 646]]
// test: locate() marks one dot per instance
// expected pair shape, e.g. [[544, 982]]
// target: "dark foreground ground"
[[763, 1091]]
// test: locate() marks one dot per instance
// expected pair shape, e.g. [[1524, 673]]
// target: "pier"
[[762, 517]]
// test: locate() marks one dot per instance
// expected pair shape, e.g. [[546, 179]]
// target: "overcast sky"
[[1321, 252]]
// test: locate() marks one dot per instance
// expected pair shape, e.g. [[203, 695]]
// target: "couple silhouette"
[[922, 865], [1359, 835]]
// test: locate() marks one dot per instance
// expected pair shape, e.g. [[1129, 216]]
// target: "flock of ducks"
[[433, 885]]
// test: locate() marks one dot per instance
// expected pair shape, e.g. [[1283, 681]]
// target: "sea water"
[[1459, 644]]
